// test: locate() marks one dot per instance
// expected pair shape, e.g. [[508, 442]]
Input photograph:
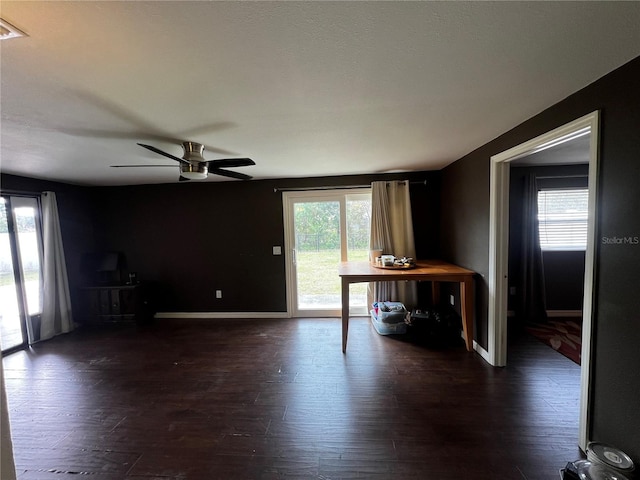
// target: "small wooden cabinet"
[[116, 304]]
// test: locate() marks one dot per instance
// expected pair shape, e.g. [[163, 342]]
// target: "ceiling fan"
[[193, 165]]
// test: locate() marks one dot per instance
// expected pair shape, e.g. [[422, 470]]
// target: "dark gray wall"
[[465, 229], [564, 280], [190, 239], [187, 240], [616, 336]]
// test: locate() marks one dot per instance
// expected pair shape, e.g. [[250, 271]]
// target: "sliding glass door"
[[20, 270], [323, 229]]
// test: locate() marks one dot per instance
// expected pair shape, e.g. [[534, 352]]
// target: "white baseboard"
[[219, 315], [481, 351]]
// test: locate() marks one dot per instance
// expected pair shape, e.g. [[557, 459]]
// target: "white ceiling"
[[303, 88]]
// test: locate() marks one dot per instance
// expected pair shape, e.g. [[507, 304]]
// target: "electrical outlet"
[[218, 293], [512, 290], [452, 300], [277, 250]]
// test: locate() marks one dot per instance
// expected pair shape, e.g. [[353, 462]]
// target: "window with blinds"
[[562, 218]]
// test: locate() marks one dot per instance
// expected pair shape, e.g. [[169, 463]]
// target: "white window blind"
[[562, 217]]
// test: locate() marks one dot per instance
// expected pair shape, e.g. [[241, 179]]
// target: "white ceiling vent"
[[9, 31]]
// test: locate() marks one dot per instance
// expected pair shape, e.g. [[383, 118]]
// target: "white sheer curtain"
[[392, 232], [56, 303]]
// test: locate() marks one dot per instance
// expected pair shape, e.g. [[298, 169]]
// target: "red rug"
[[562, 334]]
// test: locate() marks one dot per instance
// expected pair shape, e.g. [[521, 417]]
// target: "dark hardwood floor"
[[277, 399]]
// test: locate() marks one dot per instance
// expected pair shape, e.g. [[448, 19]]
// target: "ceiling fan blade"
[[231, 162], [134, 135], [138, 166], [229, 173], [160, 152], [206, 129], [142, 129], [116, 134]]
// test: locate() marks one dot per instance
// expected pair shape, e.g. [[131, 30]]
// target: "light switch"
[[277, 250]]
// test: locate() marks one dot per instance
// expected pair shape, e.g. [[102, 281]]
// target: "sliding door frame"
[[13, 201], [289, 198]]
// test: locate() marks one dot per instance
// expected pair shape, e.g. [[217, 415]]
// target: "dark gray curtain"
[[532, 306]]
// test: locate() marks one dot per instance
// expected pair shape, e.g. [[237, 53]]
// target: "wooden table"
[[427, 270]]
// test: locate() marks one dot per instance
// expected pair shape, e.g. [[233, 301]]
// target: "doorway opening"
[[548, 217], [496, 353]]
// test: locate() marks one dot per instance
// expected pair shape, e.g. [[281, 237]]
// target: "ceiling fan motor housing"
[[193, 152]]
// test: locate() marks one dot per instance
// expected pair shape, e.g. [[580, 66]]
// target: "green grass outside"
[[6, 278], [318, 272]]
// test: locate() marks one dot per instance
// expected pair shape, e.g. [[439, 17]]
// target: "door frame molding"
[[499, 251]]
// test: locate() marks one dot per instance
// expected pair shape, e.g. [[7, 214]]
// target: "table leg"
[[345, 313], [435, 293], [467, 310]]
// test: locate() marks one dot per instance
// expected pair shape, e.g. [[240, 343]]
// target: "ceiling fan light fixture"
[[199, 171]]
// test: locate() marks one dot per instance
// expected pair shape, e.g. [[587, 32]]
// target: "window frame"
[[580, 219]]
